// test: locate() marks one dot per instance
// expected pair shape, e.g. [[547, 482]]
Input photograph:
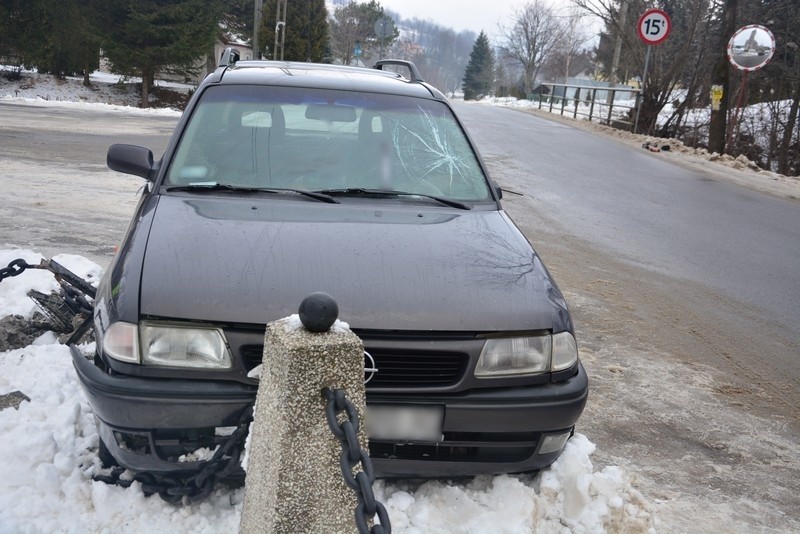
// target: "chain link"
[[173, 488], [15, 268], [353, 455]]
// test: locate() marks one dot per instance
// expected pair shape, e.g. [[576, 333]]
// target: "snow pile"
[[13, 296], [569, 496], [49, 451], [108, 92], [49, 455]]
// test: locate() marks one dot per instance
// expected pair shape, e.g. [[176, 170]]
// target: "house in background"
[[224, 41]]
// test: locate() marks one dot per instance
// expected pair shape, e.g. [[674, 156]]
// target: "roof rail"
[[415, 75], [229, 57]]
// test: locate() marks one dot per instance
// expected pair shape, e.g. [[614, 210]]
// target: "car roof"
[[323, 76]]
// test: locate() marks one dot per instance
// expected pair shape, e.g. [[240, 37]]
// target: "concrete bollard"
[[294, 479]]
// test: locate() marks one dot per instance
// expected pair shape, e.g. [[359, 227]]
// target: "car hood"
[[389, 265]]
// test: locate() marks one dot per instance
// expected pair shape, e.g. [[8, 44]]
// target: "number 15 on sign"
[[654, 26]]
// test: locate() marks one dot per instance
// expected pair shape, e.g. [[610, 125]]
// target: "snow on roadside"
[[50, 454], [38, 101], [109, 92]]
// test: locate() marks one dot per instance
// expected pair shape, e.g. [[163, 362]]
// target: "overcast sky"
[[463, 14]]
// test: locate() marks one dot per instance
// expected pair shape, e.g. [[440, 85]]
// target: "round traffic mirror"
[[751, 47]]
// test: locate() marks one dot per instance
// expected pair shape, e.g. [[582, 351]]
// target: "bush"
[[13, 74]]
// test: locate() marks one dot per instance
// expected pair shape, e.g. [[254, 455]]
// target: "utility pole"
[[256, 24], [280, 30], [721, 78]]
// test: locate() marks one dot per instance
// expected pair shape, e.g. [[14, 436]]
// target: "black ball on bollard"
[[318, 312]]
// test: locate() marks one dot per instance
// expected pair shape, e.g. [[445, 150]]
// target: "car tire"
[[105, 455]]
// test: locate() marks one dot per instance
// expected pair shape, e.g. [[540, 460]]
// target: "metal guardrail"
[[607, 108]]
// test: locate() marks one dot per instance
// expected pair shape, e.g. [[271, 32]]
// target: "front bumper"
[[488, 431]]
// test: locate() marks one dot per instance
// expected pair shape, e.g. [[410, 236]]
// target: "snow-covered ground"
[[107, 91]]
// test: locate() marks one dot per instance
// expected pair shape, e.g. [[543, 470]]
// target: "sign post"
[[384, 27], [654, 27]]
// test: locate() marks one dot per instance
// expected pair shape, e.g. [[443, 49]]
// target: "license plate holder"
[[407, 423]]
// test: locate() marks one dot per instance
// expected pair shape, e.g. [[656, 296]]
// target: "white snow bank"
[[97, 106], [109, 92], [568, 497]]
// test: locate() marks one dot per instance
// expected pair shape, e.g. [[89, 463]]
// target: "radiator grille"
[[412, 369], [397, 368]]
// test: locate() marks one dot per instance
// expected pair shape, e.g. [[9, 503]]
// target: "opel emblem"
[[369, 367]]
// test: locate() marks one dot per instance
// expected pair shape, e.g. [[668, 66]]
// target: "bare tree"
[[534, 34], [679, 62], [573, 39]]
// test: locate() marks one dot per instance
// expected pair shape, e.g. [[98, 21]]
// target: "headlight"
[[180, 346], [514, 356], [165, 345], [524, 356]]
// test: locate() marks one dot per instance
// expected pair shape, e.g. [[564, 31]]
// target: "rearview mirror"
[[330, 113], [130, 159]]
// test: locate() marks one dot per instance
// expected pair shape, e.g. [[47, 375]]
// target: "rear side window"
[[261, 136]]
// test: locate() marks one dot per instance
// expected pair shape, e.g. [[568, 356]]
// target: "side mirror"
[[130, 159]]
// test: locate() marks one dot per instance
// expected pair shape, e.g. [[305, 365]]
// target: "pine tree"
[[17, 23], [479, 76], [144, 37], [54, 36], [306, 30]]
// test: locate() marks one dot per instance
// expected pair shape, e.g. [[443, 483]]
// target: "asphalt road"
[[678, 222], [739, 245], [685, 292], [57, 193]]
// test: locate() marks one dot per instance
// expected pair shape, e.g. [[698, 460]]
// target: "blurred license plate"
[[405, 423]]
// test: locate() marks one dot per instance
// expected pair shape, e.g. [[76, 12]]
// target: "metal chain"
[[62, 274], [353, 454], [173, 488], [76, 300], [15, 268]]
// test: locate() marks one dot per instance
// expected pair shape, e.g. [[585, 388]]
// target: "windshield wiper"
[[360, 191], [213, 186]]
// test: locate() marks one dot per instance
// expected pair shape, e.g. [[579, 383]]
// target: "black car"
[[282, 179]]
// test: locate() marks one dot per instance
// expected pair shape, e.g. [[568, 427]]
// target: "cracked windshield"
[[317, 140]]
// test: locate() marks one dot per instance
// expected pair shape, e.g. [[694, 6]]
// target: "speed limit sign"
[[654, 26]]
